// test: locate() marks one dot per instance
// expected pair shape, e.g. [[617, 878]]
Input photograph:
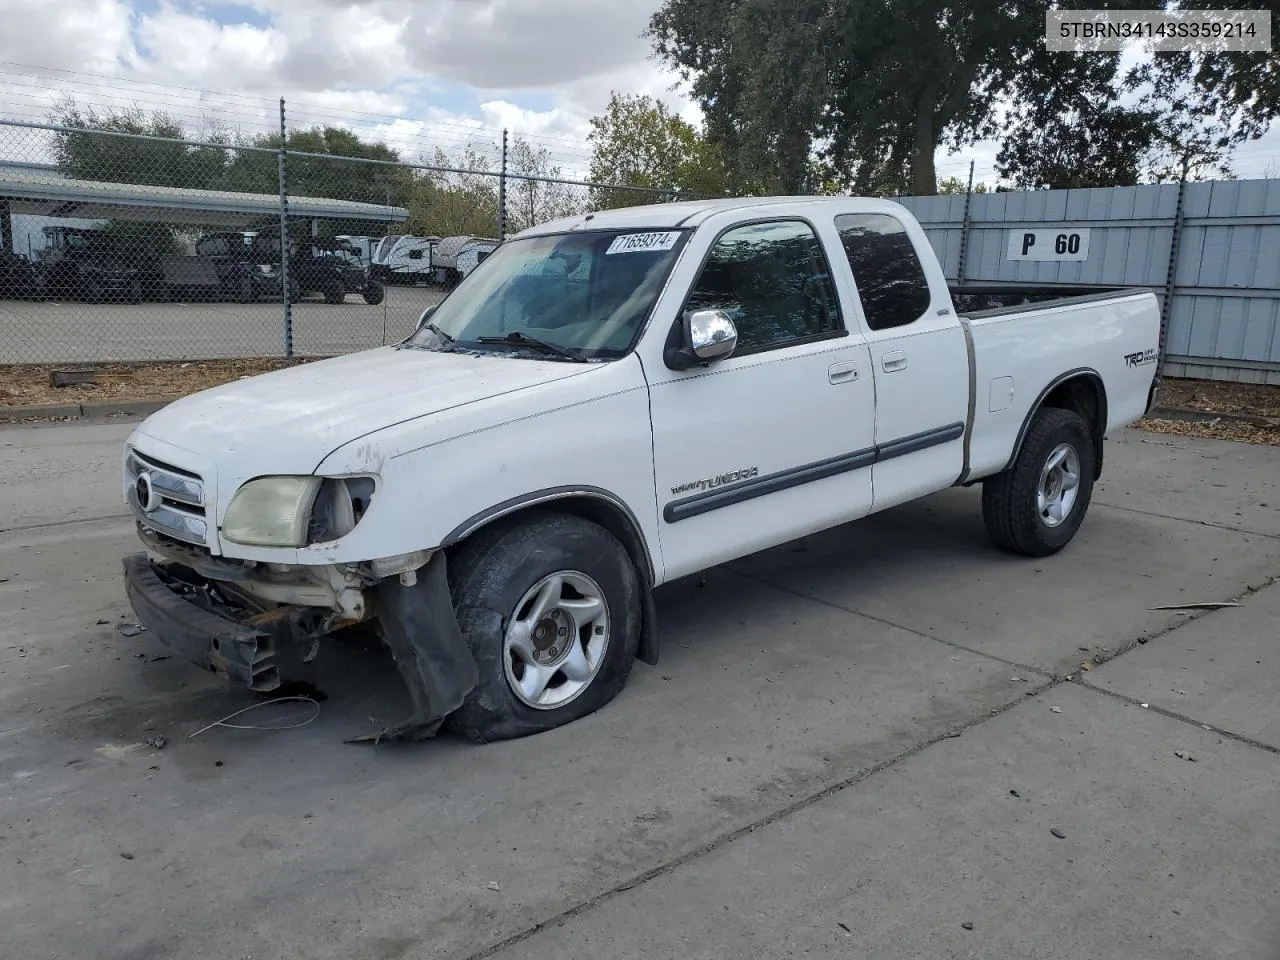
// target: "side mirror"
[[426, 315], [708, 335]]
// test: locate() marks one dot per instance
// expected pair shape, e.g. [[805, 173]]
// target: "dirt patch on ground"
[[31, 385], [1216, 396], [1222, 405]]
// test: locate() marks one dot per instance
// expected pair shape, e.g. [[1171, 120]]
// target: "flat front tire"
[[1035, 507], [550, 608]]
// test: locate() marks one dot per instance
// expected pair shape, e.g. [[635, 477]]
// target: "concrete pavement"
[[786, 769]]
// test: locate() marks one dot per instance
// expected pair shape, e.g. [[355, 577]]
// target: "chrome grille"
[[174, 502]]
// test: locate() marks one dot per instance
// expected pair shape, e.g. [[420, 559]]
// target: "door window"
[[773, 281], [890, 279]]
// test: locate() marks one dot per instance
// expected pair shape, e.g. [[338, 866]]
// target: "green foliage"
[[86, 156], [454, 205], [953, 185], [872, 89], [638, 142], [533, 201]]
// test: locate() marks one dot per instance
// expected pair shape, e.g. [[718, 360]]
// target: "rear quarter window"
[[886, 268]]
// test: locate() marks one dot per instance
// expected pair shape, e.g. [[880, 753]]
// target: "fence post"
[[964, 228], [284, 242], [502, 190], [1166, 308]]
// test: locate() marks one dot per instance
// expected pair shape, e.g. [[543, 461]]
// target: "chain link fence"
[[119, 247]]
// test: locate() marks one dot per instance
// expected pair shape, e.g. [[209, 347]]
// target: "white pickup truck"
[[607, 403]]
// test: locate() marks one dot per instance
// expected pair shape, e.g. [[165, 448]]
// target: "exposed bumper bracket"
[[419, 626], [236, 651]]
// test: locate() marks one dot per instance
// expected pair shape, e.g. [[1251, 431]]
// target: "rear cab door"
[[919, 357], [776, 440]]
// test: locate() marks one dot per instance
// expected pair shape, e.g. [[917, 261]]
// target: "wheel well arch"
[[1081, 391], [600, 507]]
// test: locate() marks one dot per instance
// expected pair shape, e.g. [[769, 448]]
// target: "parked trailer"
[[407, 259], [473, 253]]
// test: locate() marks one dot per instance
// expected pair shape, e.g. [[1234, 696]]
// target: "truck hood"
[[289, 420]]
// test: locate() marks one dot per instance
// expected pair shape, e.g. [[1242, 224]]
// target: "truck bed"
[[1019, 350], [990, 299]]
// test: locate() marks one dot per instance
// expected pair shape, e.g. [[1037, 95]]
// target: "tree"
[[90, 156], [533, 201], [953, 185], [638, 142], [874, 87], [452, 204]]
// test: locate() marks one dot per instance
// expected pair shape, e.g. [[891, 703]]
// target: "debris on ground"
[[156, 740], [1205, 605], [1248, 412], [127, 856], [1015, 793], [1183, 755], [1057, 833], [130, 629], [493, 885], [843, 926], [967, 925], [1055, 709]]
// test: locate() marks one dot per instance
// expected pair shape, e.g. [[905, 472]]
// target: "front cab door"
[[776, 440]]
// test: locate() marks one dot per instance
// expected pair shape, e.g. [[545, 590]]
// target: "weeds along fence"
[[119, 247]]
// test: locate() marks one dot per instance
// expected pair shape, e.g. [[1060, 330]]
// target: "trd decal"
[[1140, 359]]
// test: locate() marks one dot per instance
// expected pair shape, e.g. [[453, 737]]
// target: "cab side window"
[[890, 279], [773, 281]]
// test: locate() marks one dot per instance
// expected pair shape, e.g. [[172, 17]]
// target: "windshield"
[[588, 293]]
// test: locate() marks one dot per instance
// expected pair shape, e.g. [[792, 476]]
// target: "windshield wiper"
[[518, 339]]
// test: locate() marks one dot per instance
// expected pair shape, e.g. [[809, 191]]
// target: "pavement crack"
[[831, 789], [63, 523], [1199, 523], [1026, 668], [730, 836], [1181, 717]]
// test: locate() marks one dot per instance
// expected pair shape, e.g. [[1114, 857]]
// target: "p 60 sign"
[[1061, 244]]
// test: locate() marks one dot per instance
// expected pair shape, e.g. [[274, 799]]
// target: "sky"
[[417, 74]]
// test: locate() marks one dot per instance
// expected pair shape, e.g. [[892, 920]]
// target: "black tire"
[[334, 292], [490, 574], [1009, 506], [373, 293]]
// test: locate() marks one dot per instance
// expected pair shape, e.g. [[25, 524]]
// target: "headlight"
[[271, 512]]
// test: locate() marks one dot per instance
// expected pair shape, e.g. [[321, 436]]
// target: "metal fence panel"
[[117, 247], [1224, 313]]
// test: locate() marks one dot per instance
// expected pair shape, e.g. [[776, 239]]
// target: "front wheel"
[[1036, 505], [372, 293], [550, 609]]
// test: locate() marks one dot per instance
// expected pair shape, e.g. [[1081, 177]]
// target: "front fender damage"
[[419, 626]]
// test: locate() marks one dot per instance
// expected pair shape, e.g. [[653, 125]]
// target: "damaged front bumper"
[[242, 651], [414, 616]]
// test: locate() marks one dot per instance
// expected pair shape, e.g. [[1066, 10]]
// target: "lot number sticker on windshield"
[[643, 242]]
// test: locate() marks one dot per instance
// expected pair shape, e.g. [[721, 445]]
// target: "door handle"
[[893, 361], [846, 372]]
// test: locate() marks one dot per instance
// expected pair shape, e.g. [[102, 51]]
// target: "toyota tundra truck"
[[610, 402]]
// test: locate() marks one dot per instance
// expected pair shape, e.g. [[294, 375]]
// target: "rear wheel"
[[334, 292], [1036, 505], [550, 608], [373, 293]]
